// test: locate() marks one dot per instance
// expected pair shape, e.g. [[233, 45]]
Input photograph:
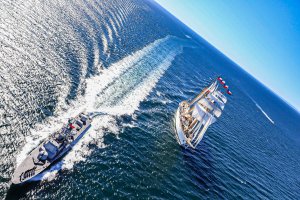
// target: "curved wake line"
[[118, 90]]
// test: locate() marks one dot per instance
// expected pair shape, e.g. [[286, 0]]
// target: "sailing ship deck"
[[193, 118]]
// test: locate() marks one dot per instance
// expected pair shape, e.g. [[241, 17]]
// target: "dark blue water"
[[136, 62]]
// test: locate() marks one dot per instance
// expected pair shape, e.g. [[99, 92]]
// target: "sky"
[[262, 36]]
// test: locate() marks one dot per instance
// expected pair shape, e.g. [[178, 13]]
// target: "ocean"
[[134, 61]]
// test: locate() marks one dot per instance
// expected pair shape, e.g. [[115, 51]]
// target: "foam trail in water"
[[118, 90], [266, 115], [263, 112], [123, 86], [105, 43]]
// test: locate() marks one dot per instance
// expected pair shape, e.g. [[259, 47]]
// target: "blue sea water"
[[136, 62]]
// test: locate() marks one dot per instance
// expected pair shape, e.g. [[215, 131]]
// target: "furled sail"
[[211, 88], [200, 113], [202, 116], [214, 86], [206, 104], [219, 95], [210, 120], [199, 125], [213, 107], [217, 112], [216, 99]]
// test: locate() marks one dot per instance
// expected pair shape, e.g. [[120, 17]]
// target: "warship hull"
[[32, 166]]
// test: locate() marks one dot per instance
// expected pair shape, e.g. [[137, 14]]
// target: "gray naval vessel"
[[52, 149]]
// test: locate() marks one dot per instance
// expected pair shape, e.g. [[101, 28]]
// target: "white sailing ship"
[[193, 118]]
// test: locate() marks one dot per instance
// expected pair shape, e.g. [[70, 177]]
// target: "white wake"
[[118, 90], [266, 115]]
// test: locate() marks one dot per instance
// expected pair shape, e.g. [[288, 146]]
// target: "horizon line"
[[236, 63]]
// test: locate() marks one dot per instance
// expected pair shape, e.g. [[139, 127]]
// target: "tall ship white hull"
[[180, 136], [193, 118]]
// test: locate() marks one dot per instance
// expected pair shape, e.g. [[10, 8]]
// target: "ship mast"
[[213, 87]]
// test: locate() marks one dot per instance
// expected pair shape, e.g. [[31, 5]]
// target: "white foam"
[[105, 43], [266, 115], [98, 83], [117, 19], [110, 33], [96, 55], [131, 102], [161, 49], [42, 131], [94, 136], [130, 125], [114, 27], [121, 17]]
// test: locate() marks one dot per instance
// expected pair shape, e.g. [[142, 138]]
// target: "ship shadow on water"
[[200, 167], [20, 191]]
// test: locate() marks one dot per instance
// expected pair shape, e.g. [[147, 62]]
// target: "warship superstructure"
[[52, 149]]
